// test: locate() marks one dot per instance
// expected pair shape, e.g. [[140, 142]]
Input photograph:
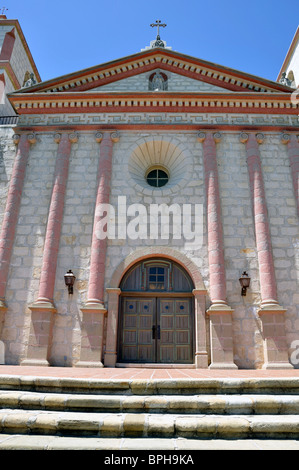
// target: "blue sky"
[[65, 36]]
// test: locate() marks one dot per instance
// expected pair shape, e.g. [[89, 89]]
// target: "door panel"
[[175, 318], [136, 342], [156, 330]]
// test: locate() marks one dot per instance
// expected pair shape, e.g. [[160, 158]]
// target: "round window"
[[157, 177]]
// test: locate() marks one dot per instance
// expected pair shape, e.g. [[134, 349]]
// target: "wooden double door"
[[156, 329]]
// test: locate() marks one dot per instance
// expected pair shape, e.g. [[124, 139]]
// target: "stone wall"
[[75, 242], [176, 82]]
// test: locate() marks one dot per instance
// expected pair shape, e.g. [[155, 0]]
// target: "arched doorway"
[[156, 320]]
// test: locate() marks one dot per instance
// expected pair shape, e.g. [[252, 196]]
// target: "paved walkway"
[[143, 373]]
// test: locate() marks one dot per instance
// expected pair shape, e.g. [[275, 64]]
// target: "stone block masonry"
[[72, 330]]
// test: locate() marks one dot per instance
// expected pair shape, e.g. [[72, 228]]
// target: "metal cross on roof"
[[158, 25], [3, 9]]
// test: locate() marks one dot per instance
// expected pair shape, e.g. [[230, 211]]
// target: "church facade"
[[149, 211]]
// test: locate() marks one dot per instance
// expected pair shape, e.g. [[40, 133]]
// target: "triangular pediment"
[[185, 73]]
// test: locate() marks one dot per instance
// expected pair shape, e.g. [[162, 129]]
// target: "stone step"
[[195, 404], [152, 445], [186, 386], [148, 425]]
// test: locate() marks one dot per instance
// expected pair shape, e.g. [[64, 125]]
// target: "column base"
[[92, 306], [277, 365], [92, 334], [2, 353], [43, 306], [35, 363], [201, 360], [40, 336], [88, 364], [110, 359], [221, 336], [270, 306], [225, 365], [274, 336]]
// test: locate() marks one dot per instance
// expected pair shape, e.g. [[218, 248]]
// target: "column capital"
[[285, 138], [73, 137], [114, 136], [99, 137], [30, 137], [244, 136], [260, 137], [16, 138], [57, 138], [201, 136], [217, 136]]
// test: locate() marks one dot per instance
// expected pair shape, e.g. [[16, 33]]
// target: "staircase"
[[69, 413]]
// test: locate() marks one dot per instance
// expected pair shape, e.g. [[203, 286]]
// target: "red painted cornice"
[[157, 102]]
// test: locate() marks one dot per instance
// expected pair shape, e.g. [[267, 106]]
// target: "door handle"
[[156, 332]]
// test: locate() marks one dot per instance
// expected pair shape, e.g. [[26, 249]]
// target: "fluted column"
[[12, 208], [293, 151], [220, 314], [271, 313], [42, 309], [94, 309]]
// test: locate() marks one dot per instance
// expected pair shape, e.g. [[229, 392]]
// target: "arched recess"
[[200, 358]]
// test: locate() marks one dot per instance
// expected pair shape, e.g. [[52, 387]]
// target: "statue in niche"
[[158, 82], [30, 80]]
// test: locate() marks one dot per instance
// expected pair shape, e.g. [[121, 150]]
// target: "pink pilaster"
[[51, 246], [99, 245], [43, 308], [215, 233], [293, 151], [219, 312], [261, 223], [271, 313], [94, 309], [11, 212]]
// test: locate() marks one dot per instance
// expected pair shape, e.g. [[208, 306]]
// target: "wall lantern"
[[69, 279], [245, 282]]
